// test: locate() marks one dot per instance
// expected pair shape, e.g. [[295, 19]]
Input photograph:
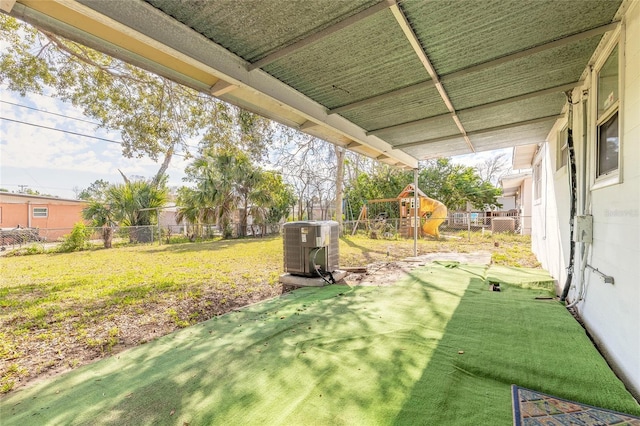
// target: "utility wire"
[[69, 118], [49, 112], [69, 132]]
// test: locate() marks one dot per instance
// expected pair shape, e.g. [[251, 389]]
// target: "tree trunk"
[[163, 167], [339, 183], [107, 236]]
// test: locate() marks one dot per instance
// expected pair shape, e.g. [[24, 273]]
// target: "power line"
[[69, 118], [61, 130], [69, 132], [49, 112]]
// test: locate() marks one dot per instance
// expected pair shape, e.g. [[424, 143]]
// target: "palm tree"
[[135, 203], [100, 215]]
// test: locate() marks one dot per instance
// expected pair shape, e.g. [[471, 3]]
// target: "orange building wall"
[[13, 215], [59, 221]]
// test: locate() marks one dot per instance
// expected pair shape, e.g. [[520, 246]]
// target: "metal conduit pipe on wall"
[[573, 198]]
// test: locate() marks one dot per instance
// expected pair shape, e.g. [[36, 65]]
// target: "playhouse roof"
[[408, 191]]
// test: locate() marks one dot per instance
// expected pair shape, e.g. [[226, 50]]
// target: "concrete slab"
[[298, 281]]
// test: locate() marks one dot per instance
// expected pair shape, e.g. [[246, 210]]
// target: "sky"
[[58, 162], [64, 161]]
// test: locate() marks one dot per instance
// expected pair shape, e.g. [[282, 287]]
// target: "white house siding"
[[611, 312], [526, 207], [550, 214]]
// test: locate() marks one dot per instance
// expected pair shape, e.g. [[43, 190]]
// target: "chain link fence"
[[455, 225], [50, 237]]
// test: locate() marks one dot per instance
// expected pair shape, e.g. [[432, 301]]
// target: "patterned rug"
[[531, 408]]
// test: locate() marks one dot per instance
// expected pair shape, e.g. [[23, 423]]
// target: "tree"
[[382, 181], [101, 216], [455, 185], [494, 168], [273, 200], [452, 184], [96, 191], [227, 182], [155, 116], [136, 203], [309, 165]]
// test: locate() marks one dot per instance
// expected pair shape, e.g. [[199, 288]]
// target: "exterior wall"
[[611, 312], [17, 210], [14, 215], [550, 214], [524, 205]]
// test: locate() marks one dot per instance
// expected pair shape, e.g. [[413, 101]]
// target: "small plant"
[[173, 314], [77, 240], [9, 376], [27, 251]]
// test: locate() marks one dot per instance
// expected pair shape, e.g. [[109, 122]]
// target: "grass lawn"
[[60, 311], [436, 348]]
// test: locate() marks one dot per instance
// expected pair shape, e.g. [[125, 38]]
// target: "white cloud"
[[38, 156]]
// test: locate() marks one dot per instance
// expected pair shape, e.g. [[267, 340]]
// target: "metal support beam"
[[428, 120], [416, 207], [422, 55], [479, 67], [480, 132], [385, 4]]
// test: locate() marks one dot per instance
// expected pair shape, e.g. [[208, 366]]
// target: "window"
[[40, 211], [537, 181], [562, 150], [608, 129]]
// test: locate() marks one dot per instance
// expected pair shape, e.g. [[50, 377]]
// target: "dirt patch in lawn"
[[105, 331]]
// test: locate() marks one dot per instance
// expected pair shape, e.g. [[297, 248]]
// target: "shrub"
[[76, 240]]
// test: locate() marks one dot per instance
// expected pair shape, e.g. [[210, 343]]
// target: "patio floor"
[[436, 347]]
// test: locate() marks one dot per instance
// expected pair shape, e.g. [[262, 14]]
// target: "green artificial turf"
[[346, 355]]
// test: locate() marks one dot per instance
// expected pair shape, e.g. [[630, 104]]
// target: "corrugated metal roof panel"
[[513, 112], [521, 135], [417, 105], [370, 56], [536, 72], [367, 58], [438, 127], [253, 29], [448, 148], [487, 30]]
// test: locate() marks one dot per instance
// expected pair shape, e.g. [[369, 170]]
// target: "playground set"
[[431, 213]]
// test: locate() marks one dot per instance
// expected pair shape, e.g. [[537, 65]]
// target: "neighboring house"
[[57, 215], [605, 122], [517, 187], [167, 218]]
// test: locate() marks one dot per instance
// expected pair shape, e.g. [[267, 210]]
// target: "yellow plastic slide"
[[434, 213]]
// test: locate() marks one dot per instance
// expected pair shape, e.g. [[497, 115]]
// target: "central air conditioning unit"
[[311, 247]]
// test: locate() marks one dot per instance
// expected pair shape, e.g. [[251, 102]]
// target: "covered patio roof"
[[399, 81]]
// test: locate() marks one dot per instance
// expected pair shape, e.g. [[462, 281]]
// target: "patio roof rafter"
[[315, 37], [481, 131], [556, 89], [426, 62], [480, 67]]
